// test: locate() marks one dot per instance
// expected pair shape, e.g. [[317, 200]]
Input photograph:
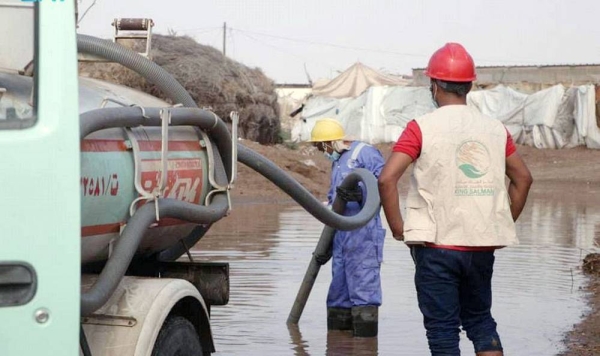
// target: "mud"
[[584, 339]]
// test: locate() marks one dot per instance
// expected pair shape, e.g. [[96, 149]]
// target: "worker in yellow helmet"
[[355, 291]]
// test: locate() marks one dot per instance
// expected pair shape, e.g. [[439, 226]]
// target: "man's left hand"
[[349, 194]]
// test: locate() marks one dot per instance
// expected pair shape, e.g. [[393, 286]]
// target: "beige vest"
[[458, 193]]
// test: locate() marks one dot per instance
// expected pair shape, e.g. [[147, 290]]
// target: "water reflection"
[[245, 233], [560, 220], [299, 345], [537, 285], [341, 343]]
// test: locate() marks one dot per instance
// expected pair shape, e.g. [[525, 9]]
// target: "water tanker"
[[105, 188]]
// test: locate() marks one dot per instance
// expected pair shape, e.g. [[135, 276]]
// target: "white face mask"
[[332, 156]]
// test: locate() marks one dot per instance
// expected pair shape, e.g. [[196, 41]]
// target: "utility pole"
[[224, 38]]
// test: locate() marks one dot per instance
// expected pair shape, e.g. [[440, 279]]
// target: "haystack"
[[212, 80]]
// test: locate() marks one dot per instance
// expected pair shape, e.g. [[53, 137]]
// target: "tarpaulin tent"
[[380, 114], [556, 117], [354, 81]]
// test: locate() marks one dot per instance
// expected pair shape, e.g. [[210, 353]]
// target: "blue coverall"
[[357, 254]]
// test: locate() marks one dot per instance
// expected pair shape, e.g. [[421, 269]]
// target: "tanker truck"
[[104, 191]]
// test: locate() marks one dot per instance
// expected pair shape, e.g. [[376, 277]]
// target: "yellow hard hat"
[[327, 130]]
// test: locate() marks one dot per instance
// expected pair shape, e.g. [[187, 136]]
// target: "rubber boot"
[[364, 321], [339, 319]]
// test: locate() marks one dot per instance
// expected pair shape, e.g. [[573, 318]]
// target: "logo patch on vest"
[[473, 161]]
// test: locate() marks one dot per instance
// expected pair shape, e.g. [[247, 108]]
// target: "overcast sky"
[[281, 36]]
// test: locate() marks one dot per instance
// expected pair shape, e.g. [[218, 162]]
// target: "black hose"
[[134, 231], [174, 252], [310, 276], [136, 227], [311, 204], [210, 123], [173, 89], [132, 116], [83, 343], [132, 235]]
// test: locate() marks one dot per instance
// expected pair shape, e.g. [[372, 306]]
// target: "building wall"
[[530, 79], [537, 77]]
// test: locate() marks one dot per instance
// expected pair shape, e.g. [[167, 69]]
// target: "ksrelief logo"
[[473, 159]]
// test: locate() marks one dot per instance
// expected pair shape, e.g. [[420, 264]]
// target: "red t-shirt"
[[411, 142]]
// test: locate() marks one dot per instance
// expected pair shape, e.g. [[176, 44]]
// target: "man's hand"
[[520, 182], [398, 231], [349, 194], [388, 191], [398, 237]]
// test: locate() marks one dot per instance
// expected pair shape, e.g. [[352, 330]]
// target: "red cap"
[[451, 63]]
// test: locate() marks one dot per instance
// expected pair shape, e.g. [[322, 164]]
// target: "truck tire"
[[177, 337]]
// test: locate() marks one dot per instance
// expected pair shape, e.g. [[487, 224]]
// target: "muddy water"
[[537, 285]]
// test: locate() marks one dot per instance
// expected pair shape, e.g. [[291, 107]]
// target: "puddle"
[[537, 285]]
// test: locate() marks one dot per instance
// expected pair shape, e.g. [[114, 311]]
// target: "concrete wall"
[[537, 77], [530, 79]]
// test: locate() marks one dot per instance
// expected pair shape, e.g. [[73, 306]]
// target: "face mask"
[[433, 90], [332, 156]]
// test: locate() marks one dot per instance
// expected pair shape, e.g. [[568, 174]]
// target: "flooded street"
[[537, 285]]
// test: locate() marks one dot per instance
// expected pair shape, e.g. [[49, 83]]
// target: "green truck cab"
[[88, 263]]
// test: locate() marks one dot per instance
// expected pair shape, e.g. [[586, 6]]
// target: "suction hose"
[[137, 225], [311, 204], [207, 121], [171, 87], [310, 276], [131, 237], [130, 117]]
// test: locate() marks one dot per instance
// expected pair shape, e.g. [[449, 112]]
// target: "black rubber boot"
[[364, 321], [339, 319]]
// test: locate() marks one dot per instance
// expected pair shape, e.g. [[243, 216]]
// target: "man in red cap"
[[458, 208]]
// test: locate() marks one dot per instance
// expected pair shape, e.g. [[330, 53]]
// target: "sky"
[[288, 39]]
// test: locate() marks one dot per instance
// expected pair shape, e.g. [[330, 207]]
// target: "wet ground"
[[538, 286]]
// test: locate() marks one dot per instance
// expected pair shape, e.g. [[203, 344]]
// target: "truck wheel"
[[177, 337]]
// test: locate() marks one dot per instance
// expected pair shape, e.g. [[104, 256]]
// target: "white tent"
[[354, 81], [557, 117], [380, 114], [553, 118]]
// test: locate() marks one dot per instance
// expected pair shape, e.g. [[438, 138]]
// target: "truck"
[[105, 190]]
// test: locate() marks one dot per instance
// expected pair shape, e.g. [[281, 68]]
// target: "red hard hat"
[[451, 63]]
